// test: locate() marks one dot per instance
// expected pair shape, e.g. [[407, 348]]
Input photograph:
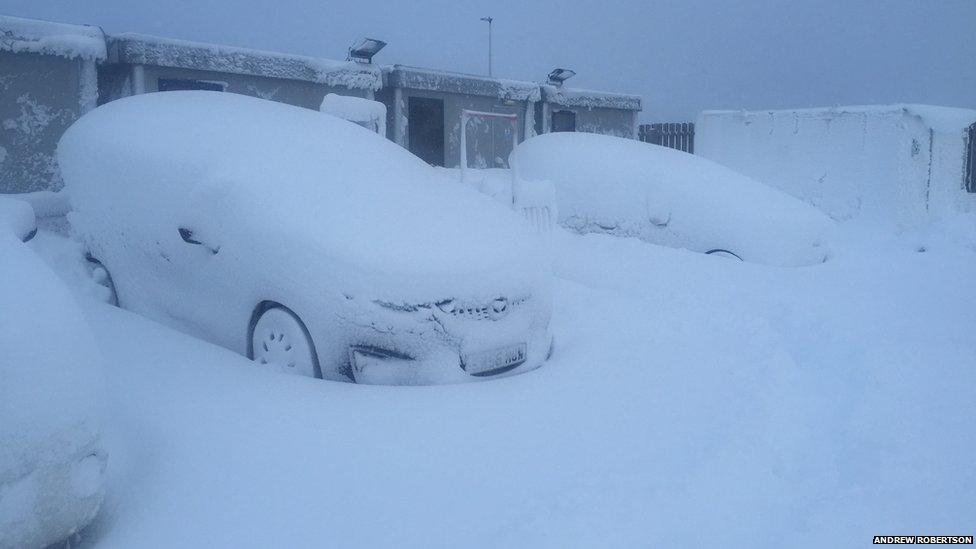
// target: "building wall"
[[40, 96], [616, 122], [489, 144], [117, 81]]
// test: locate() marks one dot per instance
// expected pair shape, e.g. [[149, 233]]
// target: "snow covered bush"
[[628, 188]]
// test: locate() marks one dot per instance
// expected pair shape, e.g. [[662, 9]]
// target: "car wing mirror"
[[188, 237]]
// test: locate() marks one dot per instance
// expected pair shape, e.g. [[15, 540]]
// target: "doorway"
[[425, 129]]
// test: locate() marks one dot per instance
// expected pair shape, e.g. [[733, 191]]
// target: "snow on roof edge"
[[938, 117], [21, 35], [405, 76], [577, 97], [147, 49]]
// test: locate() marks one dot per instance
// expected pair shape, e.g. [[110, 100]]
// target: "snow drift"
[[52, 462], [624, 187]]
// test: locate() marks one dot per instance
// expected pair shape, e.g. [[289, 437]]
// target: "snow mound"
[[356, 197], [16, 217], [365, 112], [628, 188], [51, 459], [34, 36]]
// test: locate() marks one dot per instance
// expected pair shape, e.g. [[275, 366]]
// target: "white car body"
[[52, 460], [395, 271], [628, 188]]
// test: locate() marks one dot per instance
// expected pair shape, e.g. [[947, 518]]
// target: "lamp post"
[[489, 20]]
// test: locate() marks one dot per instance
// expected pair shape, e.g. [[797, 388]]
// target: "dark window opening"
[[564, 121], [971, 160], [425, 129], [174, 84]]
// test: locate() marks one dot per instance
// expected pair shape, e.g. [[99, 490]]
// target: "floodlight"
[[365, 49], [558, 76]]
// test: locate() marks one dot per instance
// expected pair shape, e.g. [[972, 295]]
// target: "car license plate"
[[495, 359]]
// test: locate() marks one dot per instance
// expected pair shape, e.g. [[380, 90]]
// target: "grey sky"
[[681, 56]]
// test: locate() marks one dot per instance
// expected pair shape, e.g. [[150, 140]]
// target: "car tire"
[[280, 340], [100, 275]]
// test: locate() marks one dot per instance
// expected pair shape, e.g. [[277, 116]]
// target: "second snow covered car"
[[304, 241]]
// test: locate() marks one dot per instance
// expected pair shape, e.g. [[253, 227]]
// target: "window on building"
[[174, 84], [971, 160], [564, 121]]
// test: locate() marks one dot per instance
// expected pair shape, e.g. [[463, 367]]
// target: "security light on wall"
[[364, 50], [559, 76]]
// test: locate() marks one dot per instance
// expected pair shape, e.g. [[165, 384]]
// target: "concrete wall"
[[40, 96], [119, 81], [489, 144], [884, 163]]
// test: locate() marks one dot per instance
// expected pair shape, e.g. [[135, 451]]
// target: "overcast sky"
[[682, 56]]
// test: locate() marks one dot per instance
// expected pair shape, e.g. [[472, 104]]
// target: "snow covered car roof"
[[33, 36], [630, 188], [228, 161]]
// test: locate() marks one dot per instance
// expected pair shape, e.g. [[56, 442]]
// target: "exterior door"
[[425, 129]]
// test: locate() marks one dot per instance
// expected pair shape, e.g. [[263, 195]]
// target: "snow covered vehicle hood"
[[629, 188], [234, 166]]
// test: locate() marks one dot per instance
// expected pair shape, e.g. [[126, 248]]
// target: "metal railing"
[[676, 135]]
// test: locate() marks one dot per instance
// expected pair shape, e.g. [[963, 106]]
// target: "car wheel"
[[280, 340], [723, 253], [100, 275]]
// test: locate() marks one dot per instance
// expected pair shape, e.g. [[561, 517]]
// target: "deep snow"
[[692, 401]]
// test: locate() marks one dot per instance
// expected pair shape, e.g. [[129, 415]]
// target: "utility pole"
[[489, 20]]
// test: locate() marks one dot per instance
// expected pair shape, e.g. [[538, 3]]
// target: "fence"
[[677, 135]]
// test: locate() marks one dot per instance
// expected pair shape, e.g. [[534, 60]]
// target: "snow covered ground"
[[692, 401]]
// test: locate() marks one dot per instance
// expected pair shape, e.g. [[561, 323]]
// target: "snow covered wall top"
[[34, 36], [589, 99], [400, 76], [897, 163], [165, 52]]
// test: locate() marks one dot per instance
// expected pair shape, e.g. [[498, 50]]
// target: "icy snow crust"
[[167, 52], [574, 97], [624, 187], [356, 235], [52, 462], [401, 76], [32, 36]]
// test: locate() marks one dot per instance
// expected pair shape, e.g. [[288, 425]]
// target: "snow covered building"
[[53, 73], [141, 63], [424, 113], [589, 111], [900, 163], [47, 80]]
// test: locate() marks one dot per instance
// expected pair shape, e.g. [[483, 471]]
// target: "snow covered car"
[[304, 241], [52, 461], [17, 218], [625, 187]]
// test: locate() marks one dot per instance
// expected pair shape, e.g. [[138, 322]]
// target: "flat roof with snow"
[[143, 49], [19, 35], [571, 97], [417, 78]]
